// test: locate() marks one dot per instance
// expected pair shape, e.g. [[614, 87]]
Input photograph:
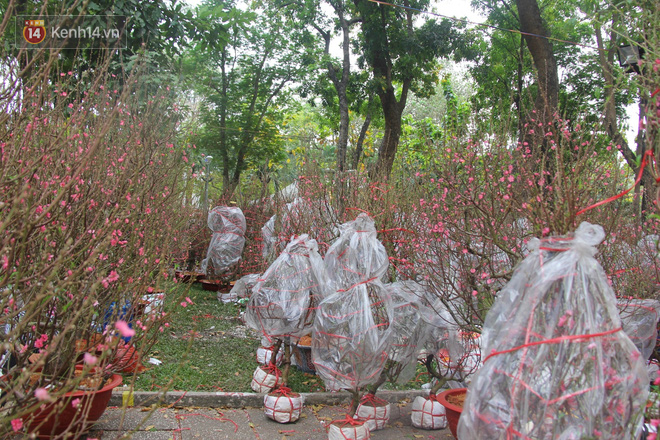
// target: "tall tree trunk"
[[392, 112], [547, 100], [363, 134]]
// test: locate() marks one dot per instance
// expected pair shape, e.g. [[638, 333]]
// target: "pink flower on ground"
[[41, 394], [124, 330], [90, 359], [17, 424]]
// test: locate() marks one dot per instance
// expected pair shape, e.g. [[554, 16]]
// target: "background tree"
[[403, 57], [245, 85]]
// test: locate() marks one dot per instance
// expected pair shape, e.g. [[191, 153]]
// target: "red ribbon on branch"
[[645, 161]]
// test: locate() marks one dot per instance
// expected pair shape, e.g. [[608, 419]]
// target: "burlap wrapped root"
[[348, 429], [352, 336], [226, 247], [283, 405], [374, 411], [356, 256], [266, 378], [265, 354], [283, 300], [558, 364], [428, 413]]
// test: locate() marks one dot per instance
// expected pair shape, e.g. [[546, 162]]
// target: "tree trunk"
[[391, 136], [544, 59], [360, 141]]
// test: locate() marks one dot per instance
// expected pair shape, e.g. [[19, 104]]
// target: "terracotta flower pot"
[[452, 409], [55, 418]]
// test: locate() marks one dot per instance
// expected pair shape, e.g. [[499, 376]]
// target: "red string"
[[348, 420], [373, 400], [553, 341], [645, 159], [284, 391], [655, 93]]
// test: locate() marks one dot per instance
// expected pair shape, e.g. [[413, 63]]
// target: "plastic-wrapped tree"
[[558, 365], [313, 217], [639, 318], [357, 256], [352, 338], [408, 331], [226, 247], [353, 327], [283, 301]]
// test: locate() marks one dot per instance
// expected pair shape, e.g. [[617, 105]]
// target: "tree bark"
[[544, 59], [363, 134]]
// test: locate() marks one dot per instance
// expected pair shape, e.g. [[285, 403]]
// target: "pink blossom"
[[17, 424], [184, 304], [124, 330], [75, 403], [90, 359], [41, 394]]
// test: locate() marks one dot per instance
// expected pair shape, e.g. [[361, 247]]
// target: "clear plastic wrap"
[[458, 353], [356, 256], [408, 330], [269, 238], [558, 364], [314, 217], [640, 322], [283, 301], [243, 286], [226, 247], [352, 336]]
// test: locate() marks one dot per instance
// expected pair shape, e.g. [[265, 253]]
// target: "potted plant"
[[88, 195], [452, 400]]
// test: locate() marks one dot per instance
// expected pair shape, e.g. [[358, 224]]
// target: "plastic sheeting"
[[640, 322], [314, 217], [559, 365], [352, 336], [284, 299], [408, 330], [242, 288], [226, 247], [356, 256]]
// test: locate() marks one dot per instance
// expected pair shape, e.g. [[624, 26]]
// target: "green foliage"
[[245, 83]]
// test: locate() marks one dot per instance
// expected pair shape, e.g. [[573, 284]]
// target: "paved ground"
[[188, 422]]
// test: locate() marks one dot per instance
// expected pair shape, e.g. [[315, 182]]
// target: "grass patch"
[[207, 348]]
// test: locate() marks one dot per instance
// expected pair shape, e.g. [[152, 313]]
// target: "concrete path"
[[195, 416]]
